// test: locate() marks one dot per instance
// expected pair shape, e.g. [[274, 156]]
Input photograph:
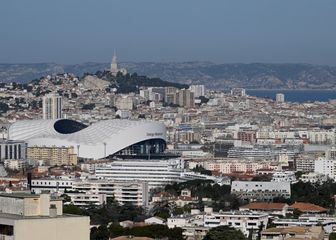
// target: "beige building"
[[53, 156], [28, 216], [315, 232]]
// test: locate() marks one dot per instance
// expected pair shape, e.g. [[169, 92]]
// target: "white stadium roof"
[[94, 141]]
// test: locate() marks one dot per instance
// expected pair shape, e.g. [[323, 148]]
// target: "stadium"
[[99, 140]]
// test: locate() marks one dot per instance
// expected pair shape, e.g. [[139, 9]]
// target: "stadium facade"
[[96, 141]]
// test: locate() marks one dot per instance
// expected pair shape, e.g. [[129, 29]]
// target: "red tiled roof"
[[307, 207]]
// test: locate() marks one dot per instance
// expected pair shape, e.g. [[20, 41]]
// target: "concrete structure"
[[52, 106], [53, 156], [97, 141], [39, 217], [261, 191]]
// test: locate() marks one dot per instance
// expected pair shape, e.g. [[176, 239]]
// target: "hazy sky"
[[76, 31]]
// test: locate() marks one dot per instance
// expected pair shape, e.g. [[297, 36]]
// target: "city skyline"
[[221, 32]]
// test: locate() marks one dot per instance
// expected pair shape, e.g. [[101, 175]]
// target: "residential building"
[[53, 156], [15, 164], [284, 176], [280, 209], [52, 106], [314, 178], [198, 90], [260, 191], [83, 192], [289, 233], [185, 98], [325, 166]]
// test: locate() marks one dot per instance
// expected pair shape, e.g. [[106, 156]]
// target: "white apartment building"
[[261, 191], [313, 177], [87, 199], [15, 164], [52, 106], [243, 220], [284, 176], [198, 90], [124, 192], [325, 166], [28, 216]]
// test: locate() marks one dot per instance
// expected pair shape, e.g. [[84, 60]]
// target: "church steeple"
[[114, 64]]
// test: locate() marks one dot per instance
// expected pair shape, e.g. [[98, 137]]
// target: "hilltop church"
[[114, 66]]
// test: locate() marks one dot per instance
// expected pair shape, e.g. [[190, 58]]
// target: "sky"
[[221, 31]]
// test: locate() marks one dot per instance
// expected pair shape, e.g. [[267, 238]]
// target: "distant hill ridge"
[[215, 76]]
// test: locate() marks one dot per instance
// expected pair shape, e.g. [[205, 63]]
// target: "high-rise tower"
[[52, 106]]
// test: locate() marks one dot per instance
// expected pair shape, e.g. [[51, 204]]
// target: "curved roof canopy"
[[94, 141]]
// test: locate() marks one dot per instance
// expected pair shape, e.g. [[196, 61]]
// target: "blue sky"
[[76, 31]]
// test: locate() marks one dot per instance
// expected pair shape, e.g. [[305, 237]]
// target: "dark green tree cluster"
[[153, 231], [132, 82], [220, 195], [110, 212], [319, 194], [224, 233], [202, 170]]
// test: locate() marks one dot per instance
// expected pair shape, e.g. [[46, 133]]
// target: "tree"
[[100, 233], [72, 209], [332, 236], [224, 233]]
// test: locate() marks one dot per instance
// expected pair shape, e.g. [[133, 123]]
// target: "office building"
[[52, 106], [12, 149]]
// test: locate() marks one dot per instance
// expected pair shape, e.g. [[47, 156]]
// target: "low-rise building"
[[260, 191], [266, 207], [39, 217], [313, 178], [291, 233], [53, 156]]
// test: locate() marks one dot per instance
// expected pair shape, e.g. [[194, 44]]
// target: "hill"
[[215, 76]]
